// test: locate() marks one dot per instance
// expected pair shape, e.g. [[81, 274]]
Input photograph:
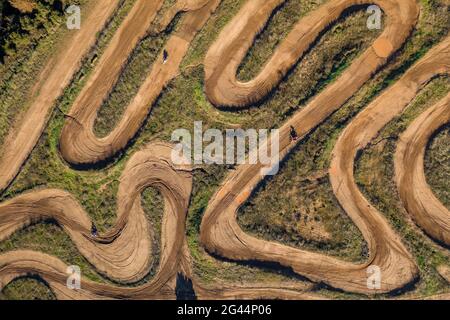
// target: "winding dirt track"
[[226, 54], [78, 143], [220, 232], [444, 271], [124, 252], [429, 213], [57, 74]]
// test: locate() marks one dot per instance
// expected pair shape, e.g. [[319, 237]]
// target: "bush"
[[24, 22]]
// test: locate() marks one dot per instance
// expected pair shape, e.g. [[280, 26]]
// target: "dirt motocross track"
[[124, 253]]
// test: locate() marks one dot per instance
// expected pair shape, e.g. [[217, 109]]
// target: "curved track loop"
[[124, 252], [429, 213], [220, 232], [56, 76], [226, 54], [385, 247], [78, 143]]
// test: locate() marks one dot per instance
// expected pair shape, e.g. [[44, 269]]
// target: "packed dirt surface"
[[123, 253]]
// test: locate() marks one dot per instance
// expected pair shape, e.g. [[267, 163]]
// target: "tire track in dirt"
[[123, 253], [385, 247], [220, 233]]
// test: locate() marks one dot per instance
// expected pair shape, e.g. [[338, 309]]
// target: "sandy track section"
[[220, 233], [124, 252], [226, 54], [108, 69], [428, 212], [57, 75], [78, 143]]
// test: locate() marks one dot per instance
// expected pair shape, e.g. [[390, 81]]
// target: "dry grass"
[[437, 165]]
